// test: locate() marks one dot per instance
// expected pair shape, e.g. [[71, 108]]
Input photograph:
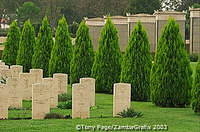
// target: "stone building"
[[194, 30]]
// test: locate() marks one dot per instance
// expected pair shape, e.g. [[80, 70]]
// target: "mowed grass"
[[177, 119]]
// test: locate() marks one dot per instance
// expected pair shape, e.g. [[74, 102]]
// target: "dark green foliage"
[[136, 65], [194, 57], [65, 105], [196, 91], [83, 55], [54, 116], [106, 69], [62, 50], [27, 42], [130, 113], [12, 44], [64, 97], [171, 72], [42, 49]]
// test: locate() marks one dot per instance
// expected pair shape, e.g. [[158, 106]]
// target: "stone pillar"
[[95, 25], [121, 97], [194, 30], [90, 85], [149, 23], [37, 75], [40, 101], [62, 82], [16, 70], [121, 23], [162, 19], [3, 102], [80, 103], [15, 96], [49, 82], [24, 84]]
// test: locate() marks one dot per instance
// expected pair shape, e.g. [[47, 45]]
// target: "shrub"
[[25, 51], [196, 91], [171, 73], [65, 105], [193, 57], [12, 44], [53, 116], [130, 113], [106, 69], [83, 55], [136, 65], [42, 49], [61, 54], [64, 97]]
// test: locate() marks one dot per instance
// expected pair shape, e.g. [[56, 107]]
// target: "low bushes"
[[130, 113]]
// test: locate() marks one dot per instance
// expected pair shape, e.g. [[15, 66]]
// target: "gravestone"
[[24, 84], [80, 103], [40, 101], [15, 96], [37, 75], [90, 85], [3, 102], [62, 82], [49, 82], [121, 97], [16, 70]]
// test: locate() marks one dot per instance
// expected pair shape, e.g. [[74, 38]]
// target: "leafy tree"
[[83, 55], [12, 44], [136, 65], [143, 6], [28, 11], [42, 49], [106, 69], [196, 91], [171, 72], [25, 51], [62, 50]]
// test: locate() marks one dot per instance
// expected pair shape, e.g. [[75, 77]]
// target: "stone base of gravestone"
[[90, 84], [40, 101], [3, 102], [80, 103], [62, 82], [121, 97]]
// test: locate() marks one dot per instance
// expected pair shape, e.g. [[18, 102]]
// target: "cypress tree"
[[25, 51], [12, 44], [42, 49], [62, 50], [106, 69], [196, 91], [171, 72], [136, 65], [83, 55]]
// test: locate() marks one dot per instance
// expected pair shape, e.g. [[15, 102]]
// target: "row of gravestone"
[[17, 86], [44, 92]]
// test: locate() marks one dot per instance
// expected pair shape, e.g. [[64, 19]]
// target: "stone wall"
[[195, 30]]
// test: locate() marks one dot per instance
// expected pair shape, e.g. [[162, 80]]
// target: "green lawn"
[[177, 119]]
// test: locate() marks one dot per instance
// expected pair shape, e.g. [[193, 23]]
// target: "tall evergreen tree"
[[83, 55], [42, 49], [106, 69], [25, 51], [196, 91], [62, 50], [171, 72], [12, 44], [136, 65]]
